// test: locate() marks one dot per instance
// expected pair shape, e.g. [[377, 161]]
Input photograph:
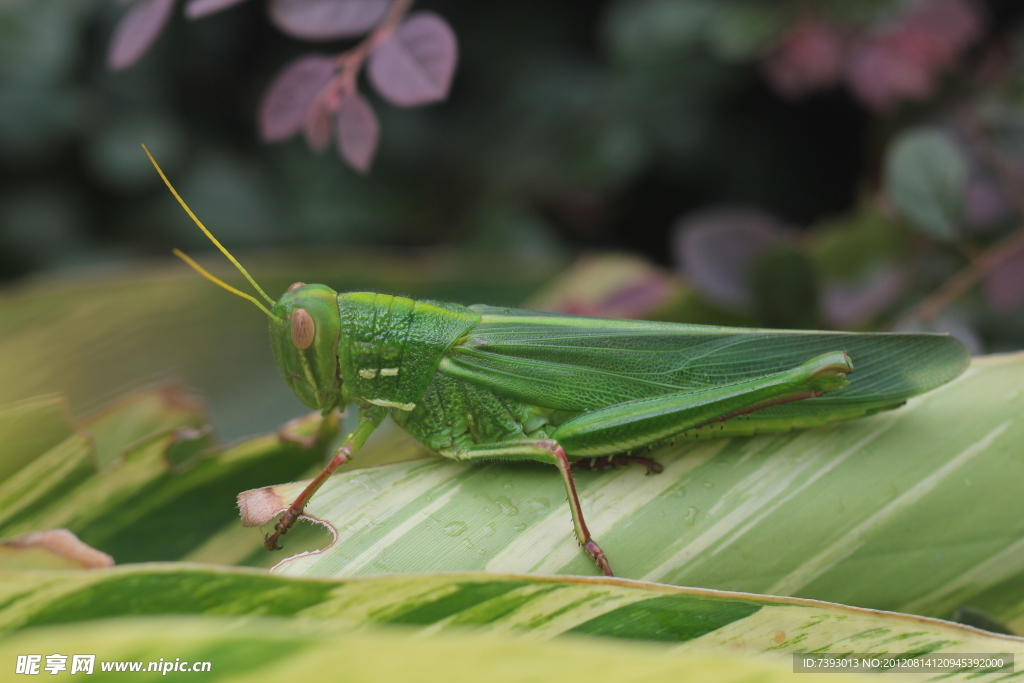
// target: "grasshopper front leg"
[[369, 420]]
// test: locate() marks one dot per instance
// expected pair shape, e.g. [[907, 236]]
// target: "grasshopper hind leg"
[[642, 422]]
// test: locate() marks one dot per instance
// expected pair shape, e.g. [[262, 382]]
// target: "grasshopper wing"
[[576, 364]]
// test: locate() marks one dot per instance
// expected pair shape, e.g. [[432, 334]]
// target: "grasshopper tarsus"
[[270, 540], [598, 556], [280, 529], [623, 460], [368, 423]]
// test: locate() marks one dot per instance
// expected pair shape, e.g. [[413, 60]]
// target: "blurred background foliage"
[[848, 164]]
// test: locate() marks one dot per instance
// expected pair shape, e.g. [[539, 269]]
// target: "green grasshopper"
[[481, 383]]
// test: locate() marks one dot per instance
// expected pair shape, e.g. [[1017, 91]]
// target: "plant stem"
[[975, 271], [352, 60]]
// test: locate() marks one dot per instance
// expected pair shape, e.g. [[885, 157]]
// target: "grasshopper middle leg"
[[548, 451]]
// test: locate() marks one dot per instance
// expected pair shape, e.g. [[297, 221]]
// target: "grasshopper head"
[[304, 325], [304, 332]]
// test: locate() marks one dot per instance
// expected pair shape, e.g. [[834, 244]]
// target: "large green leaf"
[[683, 621], [270, 650], [916, 510]]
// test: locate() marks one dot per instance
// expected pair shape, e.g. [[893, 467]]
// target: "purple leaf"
[[292, 95], [200, 8], [903, 60], [810, 57], [881, 76], [358, 131], [317, 126], [717, 249], [136, 31], [850, 304], [415, 64], [327, 19], [1004, 286], [984, 204], [936, 32]]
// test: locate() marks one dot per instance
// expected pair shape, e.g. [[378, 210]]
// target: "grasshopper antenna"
[[220, 283], [216, 243]]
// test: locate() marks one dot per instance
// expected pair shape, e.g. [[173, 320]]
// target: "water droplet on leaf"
[[454, 528], [691, 515]]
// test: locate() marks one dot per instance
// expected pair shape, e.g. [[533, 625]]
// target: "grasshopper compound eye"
[[296, 285], [303, 329]]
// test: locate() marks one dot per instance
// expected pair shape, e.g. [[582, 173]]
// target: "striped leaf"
[[139, 480], [916, 510], [266, 650], [682, 622]]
